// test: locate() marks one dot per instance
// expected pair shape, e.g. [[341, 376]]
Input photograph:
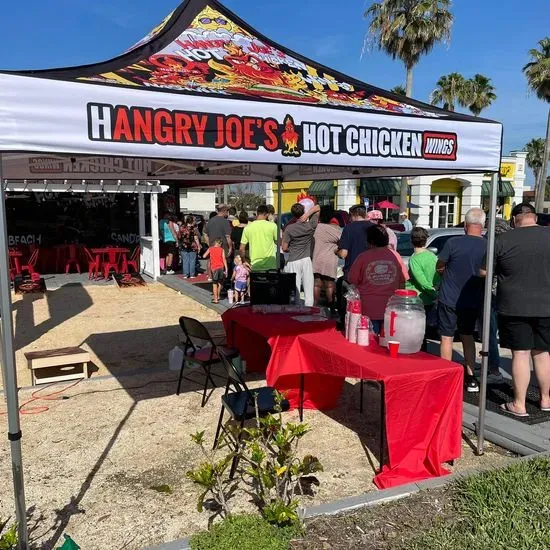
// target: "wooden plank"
[[54, 352], [52, 358]]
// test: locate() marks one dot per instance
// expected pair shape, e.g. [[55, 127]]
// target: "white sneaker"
[[170, 272]]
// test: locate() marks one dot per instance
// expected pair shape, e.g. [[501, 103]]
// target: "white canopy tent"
[[206, 99]]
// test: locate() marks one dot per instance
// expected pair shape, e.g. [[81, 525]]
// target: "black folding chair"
[[204, 354], [239, 401]]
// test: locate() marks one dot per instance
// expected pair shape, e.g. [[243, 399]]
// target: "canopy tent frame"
[[131, 118]]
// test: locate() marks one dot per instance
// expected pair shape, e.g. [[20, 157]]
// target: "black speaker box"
[[272, 287]]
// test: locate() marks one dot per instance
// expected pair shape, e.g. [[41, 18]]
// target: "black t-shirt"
[[218, 228], [522, 266], [236, 235], [354, 240]]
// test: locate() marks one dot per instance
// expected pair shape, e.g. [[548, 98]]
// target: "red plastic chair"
[[72, 258], [112, 262], [132, 262], [93, 264], [31, 264]]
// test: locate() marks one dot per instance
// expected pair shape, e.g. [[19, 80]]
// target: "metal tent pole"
[[279, 217], [141, 217], [487, 314], [10, 376]]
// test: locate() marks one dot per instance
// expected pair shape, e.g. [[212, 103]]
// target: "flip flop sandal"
[[545, 409], [506, 408]]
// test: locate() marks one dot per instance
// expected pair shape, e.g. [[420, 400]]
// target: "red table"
[[111, 252], [422, 393]]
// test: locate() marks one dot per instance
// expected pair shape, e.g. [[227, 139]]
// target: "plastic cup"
[[393, 348]]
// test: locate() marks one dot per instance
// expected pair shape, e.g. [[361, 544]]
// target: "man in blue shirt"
[[354, 237], [352, 243], [461, 291]]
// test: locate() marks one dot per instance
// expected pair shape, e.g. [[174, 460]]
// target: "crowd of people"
[[450, 285]]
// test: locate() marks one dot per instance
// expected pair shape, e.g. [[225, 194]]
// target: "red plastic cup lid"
[[406, 293]]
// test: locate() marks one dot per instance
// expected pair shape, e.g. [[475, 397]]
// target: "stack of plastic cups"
[[354, 320], [363, 332]]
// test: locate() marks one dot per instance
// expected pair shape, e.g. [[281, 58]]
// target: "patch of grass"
[[245, 532], [507, 508]]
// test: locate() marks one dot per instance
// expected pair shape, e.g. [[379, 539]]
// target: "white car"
[[436, 241]]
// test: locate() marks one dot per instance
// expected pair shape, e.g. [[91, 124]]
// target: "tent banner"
[[122, 122]]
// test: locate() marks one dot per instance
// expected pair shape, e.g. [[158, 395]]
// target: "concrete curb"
[[506, 432], [198, 294], [372, 499]]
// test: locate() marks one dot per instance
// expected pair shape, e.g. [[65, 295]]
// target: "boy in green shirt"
[[424, 277], [422, 268]]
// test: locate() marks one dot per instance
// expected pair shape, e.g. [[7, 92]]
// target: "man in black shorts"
[[461, 291], [522, 265]]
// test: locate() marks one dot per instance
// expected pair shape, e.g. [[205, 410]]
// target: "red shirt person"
[[377, 274]]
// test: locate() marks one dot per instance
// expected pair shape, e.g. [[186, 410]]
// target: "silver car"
[[436, 241]]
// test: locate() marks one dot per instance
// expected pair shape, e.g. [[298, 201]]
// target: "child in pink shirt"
[[240, 278]]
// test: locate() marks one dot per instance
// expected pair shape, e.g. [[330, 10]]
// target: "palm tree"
[[407, 30], [535, 153], [537, 72], [399, 90], [482, 93], [451, 89]]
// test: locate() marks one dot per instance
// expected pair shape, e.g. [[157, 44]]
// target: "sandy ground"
[[91, 461], [123, 329]]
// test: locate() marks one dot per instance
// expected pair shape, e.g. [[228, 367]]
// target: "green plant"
[[245, 532], [211, 476], [481, 93], [8, 537], [407, 30], [273, 473], [271, 453], [451, 88]]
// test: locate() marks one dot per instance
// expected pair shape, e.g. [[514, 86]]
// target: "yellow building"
[[324, 192], [434, 201]]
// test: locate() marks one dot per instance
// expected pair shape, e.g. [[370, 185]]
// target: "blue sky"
[[491, 37]]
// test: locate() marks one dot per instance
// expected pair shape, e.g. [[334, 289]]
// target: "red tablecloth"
[[278, 331], [423, 393]]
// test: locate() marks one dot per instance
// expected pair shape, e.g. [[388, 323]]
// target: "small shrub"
[[211, 477], [8, 537], [245, 532], [275, 471], [272, 472]]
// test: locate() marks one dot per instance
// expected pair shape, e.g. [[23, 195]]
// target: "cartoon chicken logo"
[[290, 139]]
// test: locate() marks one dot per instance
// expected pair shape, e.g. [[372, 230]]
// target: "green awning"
[[379, 186], [505, 189], [322, 188]]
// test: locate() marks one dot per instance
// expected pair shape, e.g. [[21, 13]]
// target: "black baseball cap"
[[523, 208]]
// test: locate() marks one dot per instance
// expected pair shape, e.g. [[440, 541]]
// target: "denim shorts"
[[240, 286]]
